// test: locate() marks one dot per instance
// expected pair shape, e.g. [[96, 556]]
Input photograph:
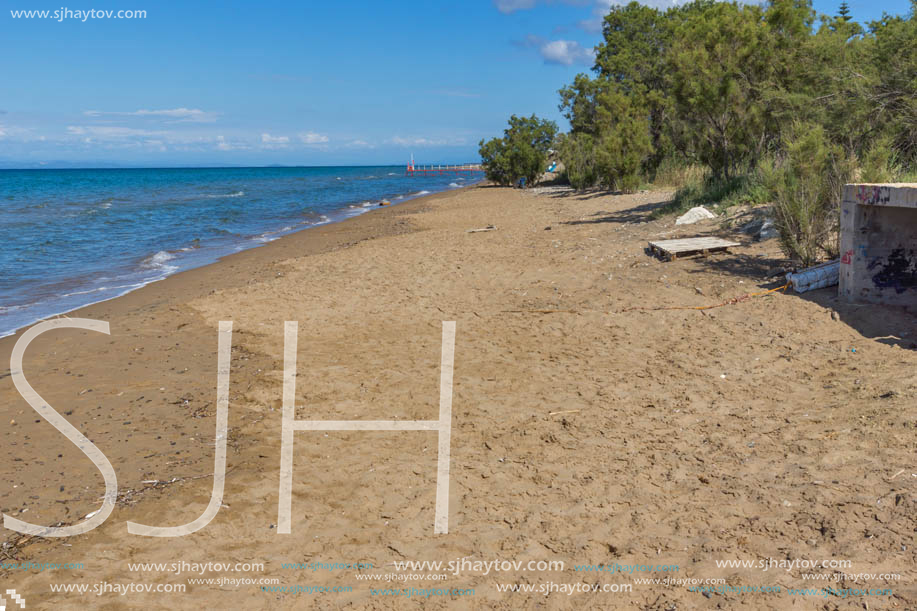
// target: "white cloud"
[[110, 132], [2, 132], [269, 139], [566, 52], [313, 138], [191, 115], [222, 144], [362, 144], [511, 6]]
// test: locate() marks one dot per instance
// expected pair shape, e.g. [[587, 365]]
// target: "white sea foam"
[[236, 194], [104, 288], [422, 193], [158, 262], [454, 185]]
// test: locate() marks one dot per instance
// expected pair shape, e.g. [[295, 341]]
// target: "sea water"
[[69, 238]]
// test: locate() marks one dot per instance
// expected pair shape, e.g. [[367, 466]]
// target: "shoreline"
[[344, 217]]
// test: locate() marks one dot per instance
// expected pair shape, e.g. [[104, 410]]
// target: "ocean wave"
[[104, 288], [158, 261], [236, 194], [424, 192], [454, 185]]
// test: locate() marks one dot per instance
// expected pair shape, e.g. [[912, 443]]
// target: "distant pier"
[[442, 170]]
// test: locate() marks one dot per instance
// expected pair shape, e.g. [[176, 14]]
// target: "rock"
[[754, 227], [768, 231], [762, 228], [694, 215]]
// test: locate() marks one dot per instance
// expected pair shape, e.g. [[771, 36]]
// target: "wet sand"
[[584, 430]]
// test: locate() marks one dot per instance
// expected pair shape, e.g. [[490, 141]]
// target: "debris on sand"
[[694, 215], [818, 277]]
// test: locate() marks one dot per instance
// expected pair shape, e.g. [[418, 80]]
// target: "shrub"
[[806, 185], [878, 164], [522, 151], [578, 156]]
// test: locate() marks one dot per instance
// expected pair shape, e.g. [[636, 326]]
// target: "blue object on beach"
[[553, 167]]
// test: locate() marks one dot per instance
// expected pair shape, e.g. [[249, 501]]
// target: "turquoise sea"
[[69, 238]]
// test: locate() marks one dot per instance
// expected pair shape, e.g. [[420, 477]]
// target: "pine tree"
[[844, 12]]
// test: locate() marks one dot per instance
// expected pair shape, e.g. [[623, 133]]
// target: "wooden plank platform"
[[672, 249]]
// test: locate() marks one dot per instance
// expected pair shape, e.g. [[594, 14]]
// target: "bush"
[[522, 152], [878, 164], [578, 156], [806, 185]]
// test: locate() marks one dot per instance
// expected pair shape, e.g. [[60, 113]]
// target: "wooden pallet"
[[672, 249]]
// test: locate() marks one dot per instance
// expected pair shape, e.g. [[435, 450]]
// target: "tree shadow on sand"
[[638, 214], [764, 269]]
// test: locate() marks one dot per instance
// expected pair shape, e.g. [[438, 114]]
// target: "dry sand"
[[778, 427]]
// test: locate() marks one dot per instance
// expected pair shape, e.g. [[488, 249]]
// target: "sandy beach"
[[588, 427]]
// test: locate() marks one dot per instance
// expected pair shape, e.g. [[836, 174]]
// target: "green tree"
[[719, 61], [633, 55], [894, 99], [843, 11], [624, 142], [579, 103], [577, 152], [522, 151]]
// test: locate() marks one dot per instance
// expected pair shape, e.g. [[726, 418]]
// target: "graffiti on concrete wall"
[[872, 195], [897, 271]]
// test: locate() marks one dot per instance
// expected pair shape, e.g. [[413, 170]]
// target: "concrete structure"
[[879, 244]]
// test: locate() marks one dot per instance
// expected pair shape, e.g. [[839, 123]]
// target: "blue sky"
[[289, 82]]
